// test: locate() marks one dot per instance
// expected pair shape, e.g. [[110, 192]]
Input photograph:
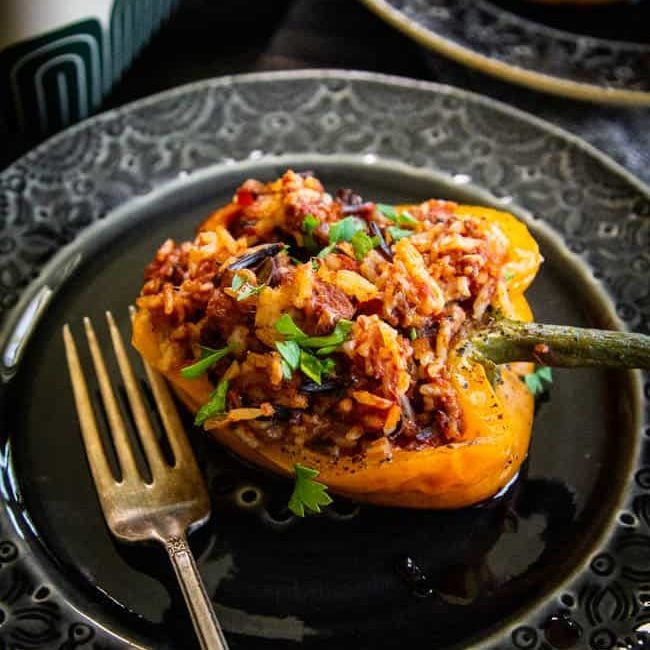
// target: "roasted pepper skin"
[[497, 421]]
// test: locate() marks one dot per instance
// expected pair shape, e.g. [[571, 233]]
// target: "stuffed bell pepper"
[[360, 340]]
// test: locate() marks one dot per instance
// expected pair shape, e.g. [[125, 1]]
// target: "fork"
[[176, 498]]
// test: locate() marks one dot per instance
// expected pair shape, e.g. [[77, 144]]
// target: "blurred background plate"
[[560, 560], [596, 53]]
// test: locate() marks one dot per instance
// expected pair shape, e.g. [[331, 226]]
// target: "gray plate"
[[561, 560], [572, 52]]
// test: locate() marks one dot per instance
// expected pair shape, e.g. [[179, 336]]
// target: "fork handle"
[[198, 603]]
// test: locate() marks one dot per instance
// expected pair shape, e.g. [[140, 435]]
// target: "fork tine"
[[116, 421], [95, 453], [183, 454], [152, 450]]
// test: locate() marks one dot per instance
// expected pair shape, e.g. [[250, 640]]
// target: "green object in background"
[[60, 77]]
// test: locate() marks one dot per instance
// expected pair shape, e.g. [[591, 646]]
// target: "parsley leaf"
[[314, 368], [345, 229], [215, 405], [309, 224], [398, 233], [243, 288], [538, 382], [341, 332], [387, 210], [290, 353], [287, 372], [403, 218], [288, 328], [209, 357], [413, 334], [327, 350], [237, 282], [294, 350], [311, 366], [329, 366], [308, 495], [326, 251], [249, 290], [363, 244]]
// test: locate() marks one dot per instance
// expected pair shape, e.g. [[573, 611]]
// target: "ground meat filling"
[[403, 288], [327, 305]]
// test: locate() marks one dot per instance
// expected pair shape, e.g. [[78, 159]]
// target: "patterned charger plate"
[[560, 560], [572, 52]]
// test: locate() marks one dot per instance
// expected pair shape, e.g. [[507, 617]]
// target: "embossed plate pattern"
[[481, 34], [80, 186]]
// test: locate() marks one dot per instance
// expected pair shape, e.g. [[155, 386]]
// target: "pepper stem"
[[504, 341]]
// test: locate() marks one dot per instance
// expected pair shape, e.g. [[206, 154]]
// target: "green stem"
[[504, 341]]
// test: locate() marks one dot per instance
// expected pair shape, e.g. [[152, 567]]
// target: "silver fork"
[[176, 498]]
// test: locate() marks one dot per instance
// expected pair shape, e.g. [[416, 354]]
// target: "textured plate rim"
[[555, 85], [9, 317]]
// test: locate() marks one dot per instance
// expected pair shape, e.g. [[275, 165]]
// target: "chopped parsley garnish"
[[413, 334], [287, 373], [341, 332], [309, 224], [329, 366], [400, 218], [387, 210], [326, 251], [539, 381], [398, 233], [405, 218], [345, 229], [243, 288], [312, 366], [215, 405], [308, 495], [508, 276], [295, 350], [249, 290], [362, 244], [353, 230], [290, 353], [209, 356], [288, 328]]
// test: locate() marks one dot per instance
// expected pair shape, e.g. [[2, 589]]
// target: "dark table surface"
[[207, 38]]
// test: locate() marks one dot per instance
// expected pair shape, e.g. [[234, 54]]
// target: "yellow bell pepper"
[[496, 419]]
